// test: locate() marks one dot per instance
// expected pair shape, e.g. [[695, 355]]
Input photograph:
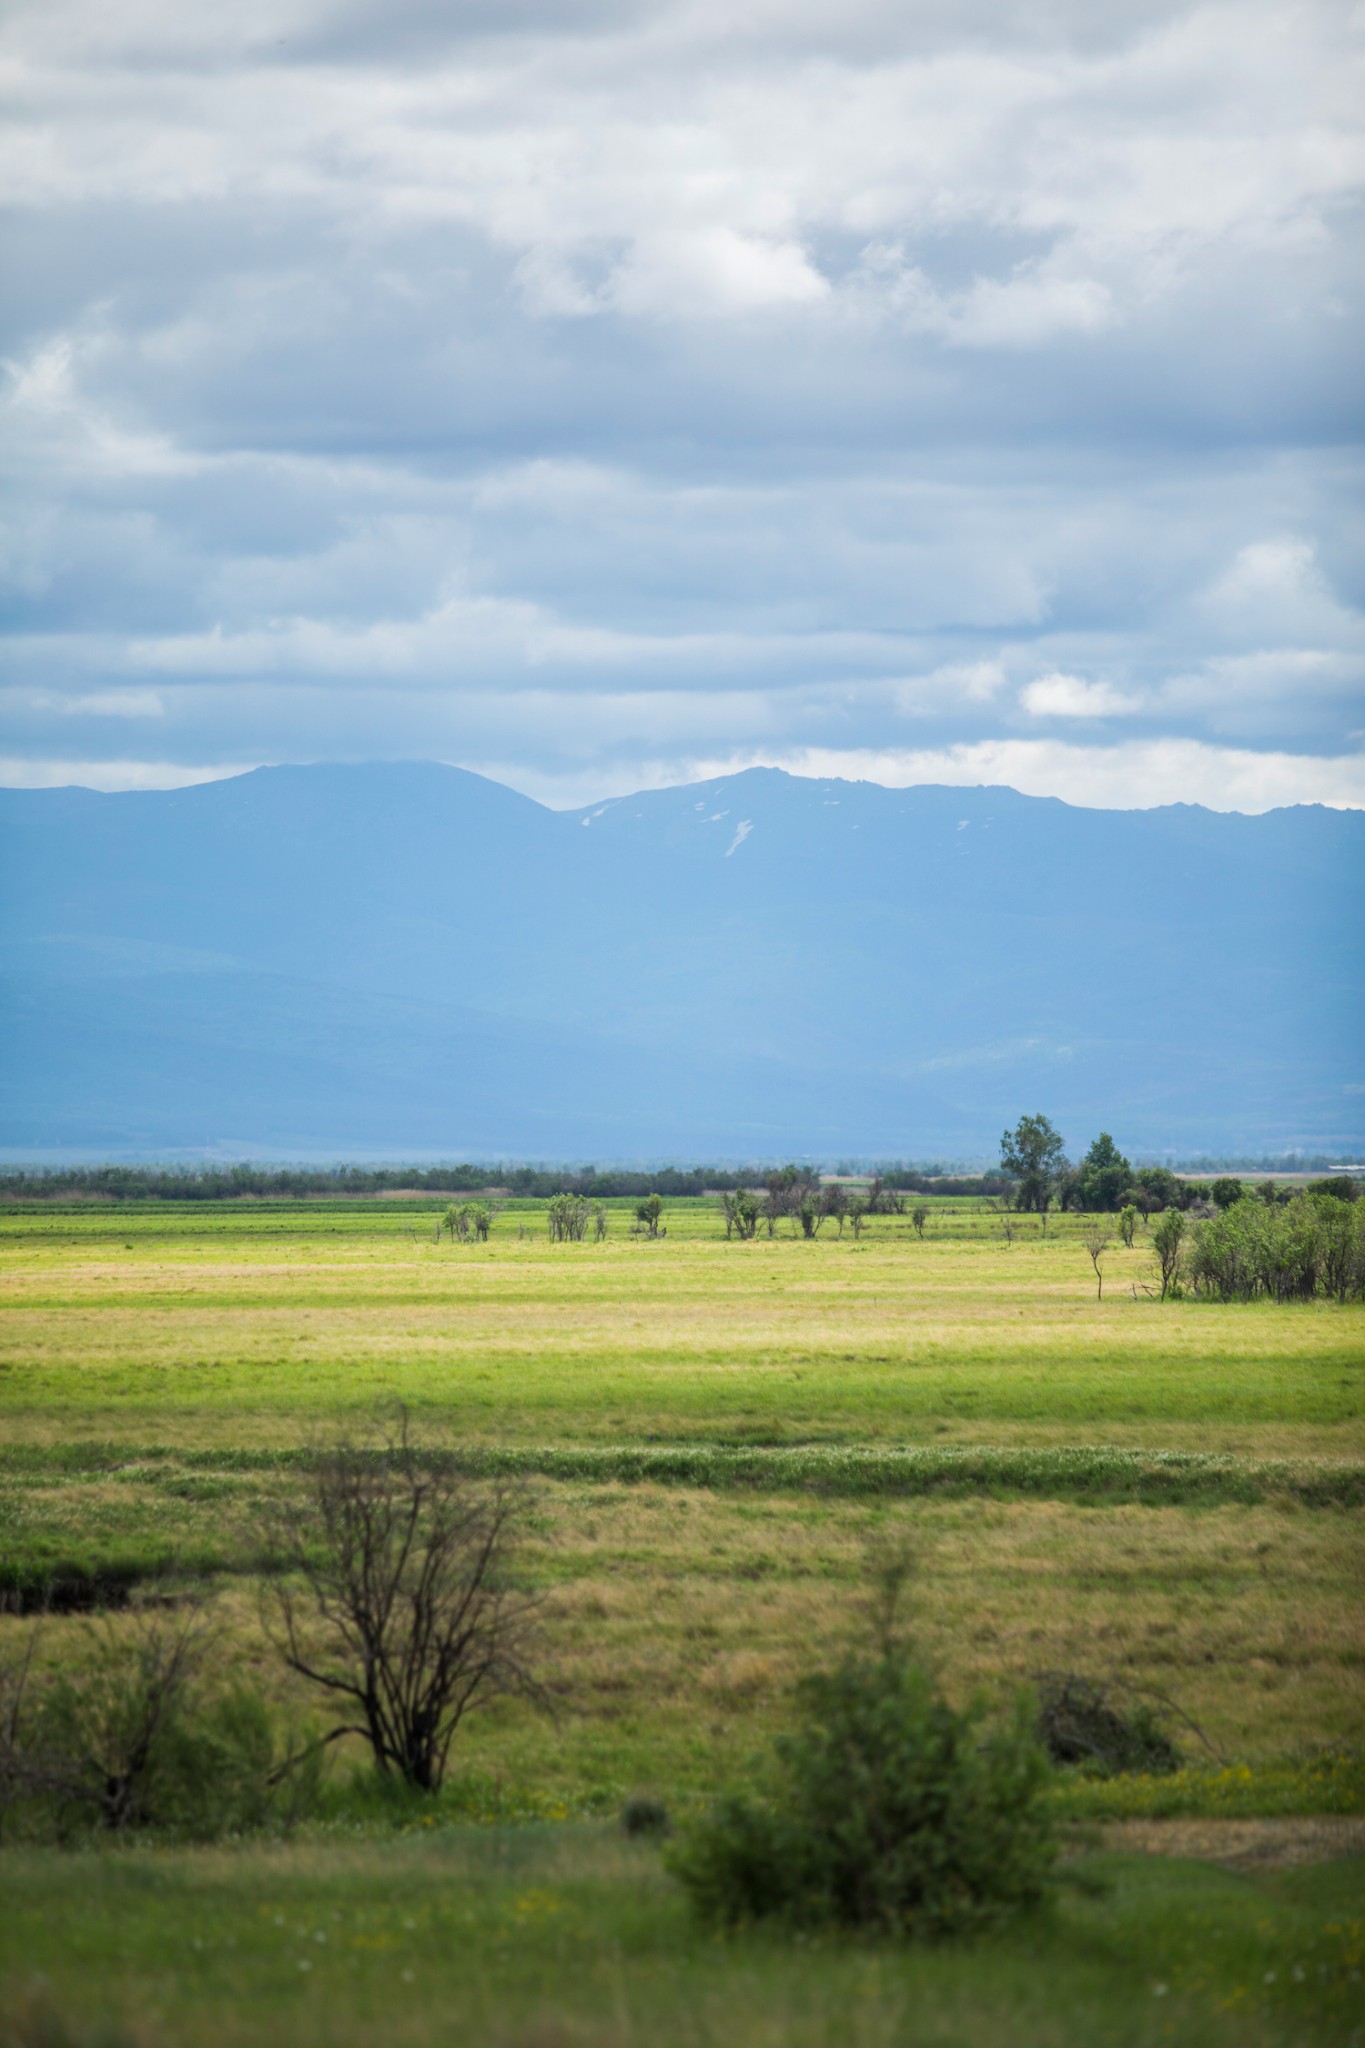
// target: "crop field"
[[720, 1436]]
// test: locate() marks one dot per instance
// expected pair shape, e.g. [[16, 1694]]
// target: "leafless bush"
[[105, 1729], [128, 1736], [397, 1599]]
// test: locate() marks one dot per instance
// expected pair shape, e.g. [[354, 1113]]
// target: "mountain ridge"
[[413, 955]]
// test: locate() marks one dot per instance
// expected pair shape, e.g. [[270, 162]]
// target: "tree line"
[[287, 1183], [1038, 1174], [293, 1183]]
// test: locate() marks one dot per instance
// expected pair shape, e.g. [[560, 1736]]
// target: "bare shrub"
[[398, 1599], [133, 1737], [102, 1733]]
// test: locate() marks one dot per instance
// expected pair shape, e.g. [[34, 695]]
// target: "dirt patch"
[[1278, 1844]]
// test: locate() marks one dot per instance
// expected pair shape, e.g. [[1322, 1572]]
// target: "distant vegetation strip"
[[261, 1183], [1101, 1473]]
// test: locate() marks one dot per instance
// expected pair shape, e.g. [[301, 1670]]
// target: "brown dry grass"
[[679, 1620]]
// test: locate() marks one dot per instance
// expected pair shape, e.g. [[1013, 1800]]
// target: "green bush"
[[888, 1811], [1314, 1245], [135, 1739]]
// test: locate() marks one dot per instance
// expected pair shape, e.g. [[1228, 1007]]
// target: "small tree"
[[648, 1213], [1161, 1189], [397, 1599], [1128, 1217], [566, 1218], [741, 1213], [1226, 1191], [919, 1216], [601, 1217], [857, 1214], [1168, 1234], [1032, 1155], [1102, 1176], [1097, 1244]]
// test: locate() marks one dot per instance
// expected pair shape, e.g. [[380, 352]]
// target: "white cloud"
[[1134, 775], [969, 683], [114, 775], [109, 704], [699, 156], [1062, 696], [598, 387]]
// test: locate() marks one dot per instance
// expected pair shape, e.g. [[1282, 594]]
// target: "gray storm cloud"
[[598, 394]]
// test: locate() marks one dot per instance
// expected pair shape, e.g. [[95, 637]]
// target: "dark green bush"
[[643, 1814], [888, 1811], [1079, 1724]]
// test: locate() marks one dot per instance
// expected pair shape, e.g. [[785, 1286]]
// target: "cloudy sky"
[[599, 392]]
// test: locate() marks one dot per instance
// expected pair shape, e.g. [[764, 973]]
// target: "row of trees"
[[292, 1183], [799, 1194], [1033, 1157]]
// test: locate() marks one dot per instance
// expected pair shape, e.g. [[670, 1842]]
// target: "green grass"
[[240, 1329], [526, 1938], [717, 1434]]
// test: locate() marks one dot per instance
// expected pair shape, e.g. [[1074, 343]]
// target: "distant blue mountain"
[[411, 959]]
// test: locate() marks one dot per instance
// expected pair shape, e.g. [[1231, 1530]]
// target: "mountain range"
[[407, 960]]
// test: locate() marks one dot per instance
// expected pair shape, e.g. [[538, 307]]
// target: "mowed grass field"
[[241, 1327], [719, 1435]]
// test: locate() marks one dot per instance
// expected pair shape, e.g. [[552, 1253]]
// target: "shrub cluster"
[[1314, 1245], [137, 1739], [888, 1811]]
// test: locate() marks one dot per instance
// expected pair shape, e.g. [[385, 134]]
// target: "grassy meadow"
[[719, 1434]]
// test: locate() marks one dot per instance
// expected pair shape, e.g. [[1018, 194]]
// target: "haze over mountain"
[[410, 959]]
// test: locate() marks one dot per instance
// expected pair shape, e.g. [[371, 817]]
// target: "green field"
[[719, 1433]]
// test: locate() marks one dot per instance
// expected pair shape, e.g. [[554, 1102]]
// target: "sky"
[[602, 394]]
